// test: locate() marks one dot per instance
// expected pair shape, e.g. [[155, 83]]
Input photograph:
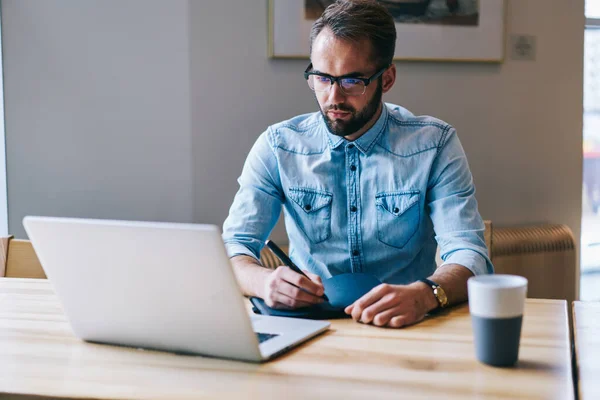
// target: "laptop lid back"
[[166, 286]]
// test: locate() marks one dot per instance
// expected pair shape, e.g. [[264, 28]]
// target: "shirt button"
[[355, 253], [353, 208], [350, 146], [396, 210], [307, 207], [353, 168]]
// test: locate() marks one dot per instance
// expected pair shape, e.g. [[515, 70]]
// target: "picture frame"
[[453, 37]]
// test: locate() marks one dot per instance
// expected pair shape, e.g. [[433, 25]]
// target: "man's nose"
[[336, 95]]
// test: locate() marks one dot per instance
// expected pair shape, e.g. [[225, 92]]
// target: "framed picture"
[[428, 30]]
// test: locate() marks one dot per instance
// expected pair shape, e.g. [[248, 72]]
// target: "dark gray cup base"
[[497, 340]]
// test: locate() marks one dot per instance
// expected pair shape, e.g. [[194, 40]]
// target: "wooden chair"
[[544, 253], [268, 259], [18, 259]]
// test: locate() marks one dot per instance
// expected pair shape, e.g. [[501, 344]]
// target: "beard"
[[357, 120]]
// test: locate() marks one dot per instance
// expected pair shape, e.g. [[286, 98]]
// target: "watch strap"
[[430, 283], [441, 302]]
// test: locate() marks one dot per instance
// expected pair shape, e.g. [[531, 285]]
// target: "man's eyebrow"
[[354, 74]]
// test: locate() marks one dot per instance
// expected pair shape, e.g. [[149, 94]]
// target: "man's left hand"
[[393, 306]]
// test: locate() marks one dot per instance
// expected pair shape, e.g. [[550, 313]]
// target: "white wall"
[[99, 122], [97, 104]]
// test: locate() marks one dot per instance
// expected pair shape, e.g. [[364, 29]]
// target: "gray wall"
[[100, 122], [97, 101]]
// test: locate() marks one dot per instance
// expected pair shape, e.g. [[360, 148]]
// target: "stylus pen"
[[286, 260]]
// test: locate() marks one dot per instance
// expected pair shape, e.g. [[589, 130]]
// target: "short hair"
[[356, 20]]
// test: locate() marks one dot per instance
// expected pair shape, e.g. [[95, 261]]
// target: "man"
[[365, 186]]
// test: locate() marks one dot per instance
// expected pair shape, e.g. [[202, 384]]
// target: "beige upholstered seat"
[[545, 254], [18, 259]]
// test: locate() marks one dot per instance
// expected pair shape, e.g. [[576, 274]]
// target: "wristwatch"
[[438, 292]]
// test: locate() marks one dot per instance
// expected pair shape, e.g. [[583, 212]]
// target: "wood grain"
[[586, 321], [434, 359]]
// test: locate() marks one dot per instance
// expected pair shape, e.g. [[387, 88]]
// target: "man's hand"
[[285, 288], [393, 306]]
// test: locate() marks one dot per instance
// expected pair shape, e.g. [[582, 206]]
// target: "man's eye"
[[322, 79]]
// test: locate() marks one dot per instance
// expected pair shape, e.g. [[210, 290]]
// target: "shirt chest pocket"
[[398, 217], [313, 212]]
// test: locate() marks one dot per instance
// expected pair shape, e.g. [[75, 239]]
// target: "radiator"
[[544, 254]]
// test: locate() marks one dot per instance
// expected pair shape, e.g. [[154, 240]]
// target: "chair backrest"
[[21, 260], [268, 259], [545, 254]]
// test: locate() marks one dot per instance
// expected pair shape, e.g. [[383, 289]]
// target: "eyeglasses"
[[350, 85]]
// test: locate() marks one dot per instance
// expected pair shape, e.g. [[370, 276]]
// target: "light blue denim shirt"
[[380, 204]]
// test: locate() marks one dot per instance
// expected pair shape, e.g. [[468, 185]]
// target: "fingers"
[[313, 277], [394, 317], [399, 321], [281, 301], [276, 299], [368, 299], [393, 306], [385, 305], [298, 294], [384, 317], [286, 289], [301, 281], [386, 302]]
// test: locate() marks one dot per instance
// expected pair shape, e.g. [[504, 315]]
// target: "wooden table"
[[435, 359], [586, 321]]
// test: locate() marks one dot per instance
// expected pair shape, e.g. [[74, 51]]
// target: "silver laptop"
[[165, 286]]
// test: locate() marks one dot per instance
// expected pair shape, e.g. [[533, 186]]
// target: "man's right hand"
[[285, 288]]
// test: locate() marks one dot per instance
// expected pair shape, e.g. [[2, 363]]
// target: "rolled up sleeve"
[[453, 209], [257, 204]]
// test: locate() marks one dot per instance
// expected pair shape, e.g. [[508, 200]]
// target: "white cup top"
[[497, 296]]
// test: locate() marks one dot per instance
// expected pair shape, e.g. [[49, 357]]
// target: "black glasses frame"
[[334, 79]]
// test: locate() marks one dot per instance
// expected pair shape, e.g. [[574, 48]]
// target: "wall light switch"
[[522, 47]]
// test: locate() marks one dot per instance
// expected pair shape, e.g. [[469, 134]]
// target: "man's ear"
[[389, 78]]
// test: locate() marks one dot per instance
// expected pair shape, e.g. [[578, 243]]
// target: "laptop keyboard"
[[264, 336]]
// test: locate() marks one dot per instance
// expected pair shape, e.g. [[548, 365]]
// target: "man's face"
[[346, 115]]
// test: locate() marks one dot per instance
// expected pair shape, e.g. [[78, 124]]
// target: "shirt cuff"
[[472, 260], [236, 249]]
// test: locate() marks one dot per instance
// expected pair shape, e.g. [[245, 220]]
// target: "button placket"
[[353, 212]]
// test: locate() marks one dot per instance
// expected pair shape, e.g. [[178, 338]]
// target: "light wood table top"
[[586, 320], [434, 359]]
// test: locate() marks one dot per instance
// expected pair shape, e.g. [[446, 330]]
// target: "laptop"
[[164, 286]]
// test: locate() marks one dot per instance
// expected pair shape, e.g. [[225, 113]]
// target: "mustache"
[[340, 107]]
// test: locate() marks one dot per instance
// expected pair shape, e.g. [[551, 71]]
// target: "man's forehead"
[[330, 52]]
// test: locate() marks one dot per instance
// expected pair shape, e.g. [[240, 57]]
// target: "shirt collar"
[[367, 140]]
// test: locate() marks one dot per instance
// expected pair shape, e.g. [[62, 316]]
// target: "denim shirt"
[[379, 204]]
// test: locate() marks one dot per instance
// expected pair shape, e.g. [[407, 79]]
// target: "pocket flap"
[[310, 200], [396, 203]]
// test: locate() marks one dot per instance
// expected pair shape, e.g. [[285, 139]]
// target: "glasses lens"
[[352, 86], [319, 83]]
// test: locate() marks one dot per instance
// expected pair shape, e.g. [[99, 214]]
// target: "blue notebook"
[[342, 290], [319, 311]]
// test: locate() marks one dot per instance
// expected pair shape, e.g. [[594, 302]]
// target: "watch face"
[[440, 296]]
